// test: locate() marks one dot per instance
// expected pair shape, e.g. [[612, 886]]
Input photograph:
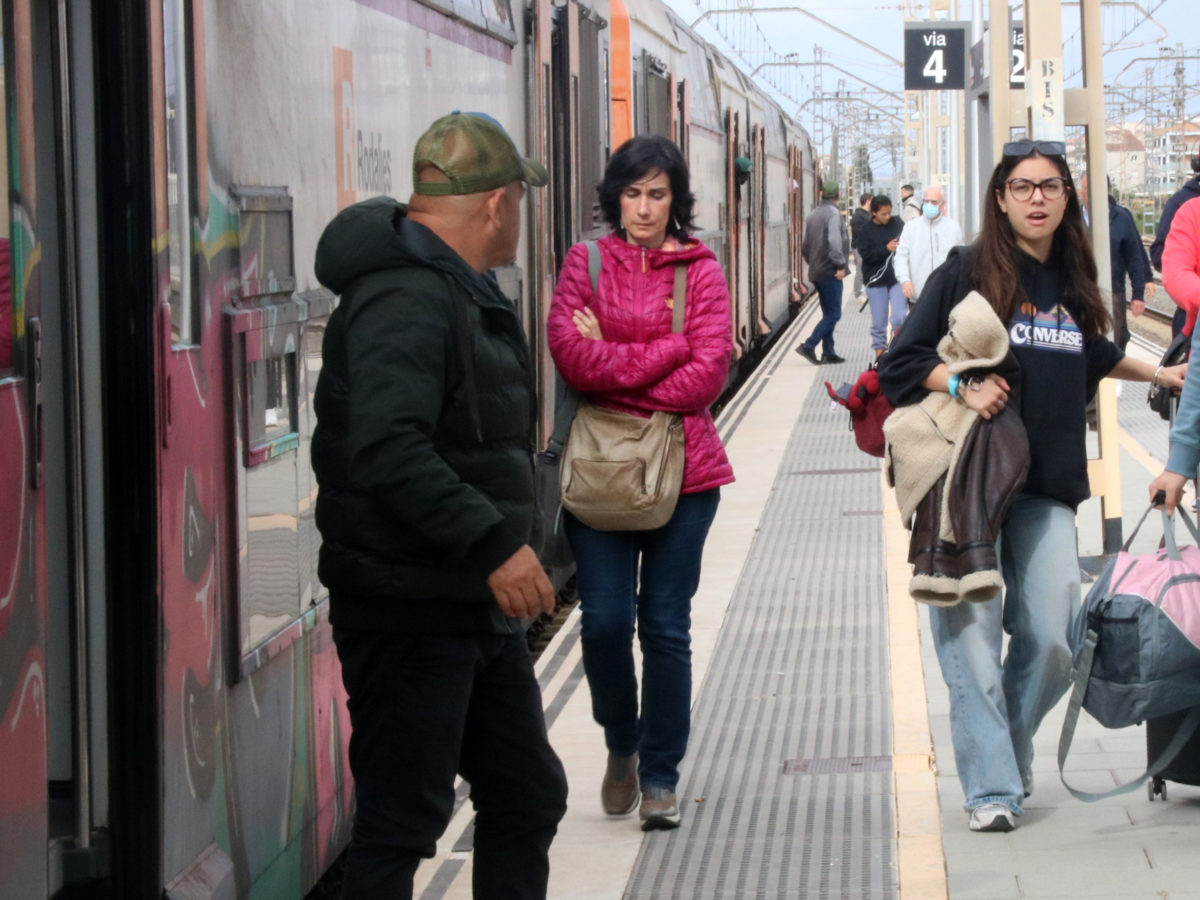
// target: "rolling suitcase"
[[1185, 767]]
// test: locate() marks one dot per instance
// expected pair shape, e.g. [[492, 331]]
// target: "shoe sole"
[[633, 804], [660, 823]]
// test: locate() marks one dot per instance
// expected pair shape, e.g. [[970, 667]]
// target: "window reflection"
[[7, 314], [271, 390]]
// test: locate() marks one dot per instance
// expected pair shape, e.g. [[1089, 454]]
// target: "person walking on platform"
[[1127, 255], [1033, 264], [1189, 191], [909, 207], [616, 347], [878, 247], [925, 243], [859, 220], [825, 248], [422, 456]]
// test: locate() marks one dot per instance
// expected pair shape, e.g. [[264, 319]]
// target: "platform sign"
[[935, 56], [1016, 49]]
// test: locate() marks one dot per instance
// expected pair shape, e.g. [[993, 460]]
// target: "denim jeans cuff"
[[1013, 806]]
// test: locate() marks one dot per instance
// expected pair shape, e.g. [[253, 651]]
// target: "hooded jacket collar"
[[377, 235], [632, 255]]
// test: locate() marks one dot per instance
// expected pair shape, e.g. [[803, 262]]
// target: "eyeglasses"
[[1024, 148], [1051, 188]]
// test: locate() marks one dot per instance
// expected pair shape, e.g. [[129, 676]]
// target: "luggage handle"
[[1079, 681]]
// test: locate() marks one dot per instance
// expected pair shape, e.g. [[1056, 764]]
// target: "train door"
[[733, 231], [54, 811], [796, 181], [24, 801], [758, 234]]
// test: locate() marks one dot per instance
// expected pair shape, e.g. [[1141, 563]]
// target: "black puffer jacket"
[[426, 484]]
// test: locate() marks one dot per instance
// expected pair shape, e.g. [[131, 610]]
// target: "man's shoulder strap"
[[593, 252]]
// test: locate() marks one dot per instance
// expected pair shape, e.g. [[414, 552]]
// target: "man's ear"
[[491, 207]]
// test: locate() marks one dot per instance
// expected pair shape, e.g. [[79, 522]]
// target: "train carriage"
[[172, 719]]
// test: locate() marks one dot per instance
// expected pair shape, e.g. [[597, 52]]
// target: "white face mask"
[[931, 210]]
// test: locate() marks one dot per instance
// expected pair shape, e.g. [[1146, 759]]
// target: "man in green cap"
[[422, 452]]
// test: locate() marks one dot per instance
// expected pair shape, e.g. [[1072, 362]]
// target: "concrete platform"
[[820, 762]]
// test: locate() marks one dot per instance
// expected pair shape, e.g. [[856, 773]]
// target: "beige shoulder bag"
[[622, 472]]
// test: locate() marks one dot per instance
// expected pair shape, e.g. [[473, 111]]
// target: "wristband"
[[952, 384]]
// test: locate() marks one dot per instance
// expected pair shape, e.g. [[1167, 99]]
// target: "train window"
[[593, 122], [265, 247], [657, 84], [181, 181], [9, 309]]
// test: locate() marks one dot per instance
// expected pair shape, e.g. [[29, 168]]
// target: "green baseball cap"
[[475, 153]]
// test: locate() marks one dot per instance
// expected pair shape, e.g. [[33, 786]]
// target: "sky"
[[878, 27]]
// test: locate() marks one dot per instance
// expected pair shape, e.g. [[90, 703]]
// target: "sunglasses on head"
[[1024, 148]]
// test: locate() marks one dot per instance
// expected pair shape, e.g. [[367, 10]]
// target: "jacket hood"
[[375, 235], [632, 255]]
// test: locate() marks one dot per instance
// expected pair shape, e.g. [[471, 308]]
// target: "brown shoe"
[[659, 809], [619, 790]]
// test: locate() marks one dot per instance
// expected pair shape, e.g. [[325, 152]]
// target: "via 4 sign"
[[935, 56]]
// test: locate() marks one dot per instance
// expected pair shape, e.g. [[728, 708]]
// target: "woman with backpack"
[[1033, 263], [615, 346]]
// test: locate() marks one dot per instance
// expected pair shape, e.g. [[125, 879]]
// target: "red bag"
[[868, 408]]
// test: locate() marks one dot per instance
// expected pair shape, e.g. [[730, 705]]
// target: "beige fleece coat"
[[923, 439]]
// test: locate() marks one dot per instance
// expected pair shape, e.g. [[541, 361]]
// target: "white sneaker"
[[992, 817]]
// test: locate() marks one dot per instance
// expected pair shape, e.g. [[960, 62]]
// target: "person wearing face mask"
[[925, 243], [1033, 265], [615, 346]]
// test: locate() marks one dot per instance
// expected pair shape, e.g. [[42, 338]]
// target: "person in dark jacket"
[[878, 248], [1189, 191], [1127, 256], [859, 219], [826, 250], [1033, 263], [422, 453]]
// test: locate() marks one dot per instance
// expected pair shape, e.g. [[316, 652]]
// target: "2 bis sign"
[[935, 56]]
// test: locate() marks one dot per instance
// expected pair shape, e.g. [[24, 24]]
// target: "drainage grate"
[[837, 766]]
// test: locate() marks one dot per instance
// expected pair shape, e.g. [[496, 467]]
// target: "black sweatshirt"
[[876, 257], [1060, 368]]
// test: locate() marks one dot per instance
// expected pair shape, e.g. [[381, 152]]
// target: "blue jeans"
[[995, 705], [830, 292], [881, 298], [612, 596]]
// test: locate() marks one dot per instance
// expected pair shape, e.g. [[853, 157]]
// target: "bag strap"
[[566, 398], [1079, 682], [680, 299]]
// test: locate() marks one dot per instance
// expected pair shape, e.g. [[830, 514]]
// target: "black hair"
[[879, 201], [636, 158], [907, 187]]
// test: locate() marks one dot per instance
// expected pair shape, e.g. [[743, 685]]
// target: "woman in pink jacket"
[[617, 349]]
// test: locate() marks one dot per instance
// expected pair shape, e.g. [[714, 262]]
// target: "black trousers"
[[423, 708]]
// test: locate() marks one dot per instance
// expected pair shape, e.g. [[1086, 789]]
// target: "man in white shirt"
[[925, 243]]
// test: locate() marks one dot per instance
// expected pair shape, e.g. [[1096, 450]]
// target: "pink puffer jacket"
[[640, 366]]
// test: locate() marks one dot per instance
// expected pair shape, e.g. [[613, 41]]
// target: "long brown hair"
[[994, 271]]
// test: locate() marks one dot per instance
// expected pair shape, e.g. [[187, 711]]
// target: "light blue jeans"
[[996, 705], [883, 300]]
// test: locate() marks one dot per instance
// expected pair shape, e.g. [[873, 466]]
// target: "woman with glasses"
[[1033, 263]]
